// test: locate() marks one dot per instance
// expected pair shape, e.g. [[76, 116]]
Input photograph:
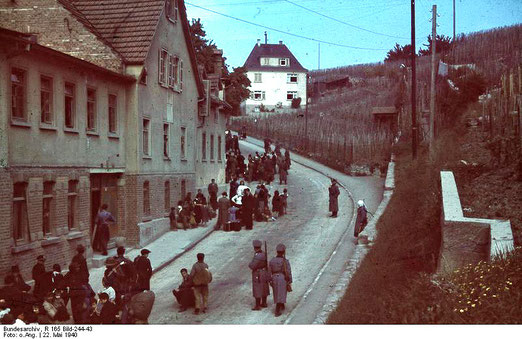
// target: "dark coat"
[[223, 206], [279, 279], [82, 264], [42, 281], [260, 277], [108, 313], [144, 270], [333, 192], [361, 221], [185, 294]]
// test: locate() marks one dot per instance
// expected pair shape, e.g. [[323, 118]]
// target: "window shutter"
[[263, 95], [180, 75], [159, 65], [170, 74]]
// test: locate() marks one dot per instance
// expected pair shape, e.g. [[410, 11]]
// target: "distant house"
[[321, 86], [276, 78], [386, 116]]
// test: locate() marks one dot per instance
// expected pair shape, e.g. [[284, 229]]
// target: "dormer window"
[[285, 62], [171, 8]]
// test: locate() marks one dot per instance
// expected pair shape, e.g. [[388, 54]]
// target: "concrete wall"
[[34, 143], [468, 240], [275, 86]]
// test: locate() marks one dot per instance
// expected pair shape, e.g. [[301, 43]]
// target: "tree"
[[236, 82], [443, 43], [236, 88], [202, 46], [399, 53]]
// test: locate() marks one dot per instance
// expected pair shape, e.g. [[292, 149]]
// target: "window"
[[113, 113], [47, 210], [258, 95], [204, 147], [212, 148], [219, 147], [18, 94], [172, 9], [175, 73], [69, 105], [166, 140], [167, 196], [284, 62], [46, 100], [291, 78], [72, 204], [146, 137], [291, 95], [146, 198], [163, 60], [257, 77], [265, 61], [20, 224], [182, 141], [91, 109]]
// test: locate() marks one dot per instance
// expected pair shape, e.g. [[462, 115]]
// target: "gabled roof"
[[127, 25], [253, 62]]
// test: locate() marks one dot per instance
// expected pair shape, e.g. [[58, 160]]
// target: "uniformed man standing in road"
[[281, 278], [260, 276], [333, 192]]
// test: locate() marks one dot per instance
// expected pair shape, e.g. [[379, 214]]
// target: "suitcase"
[[236, 226], [226, 227]]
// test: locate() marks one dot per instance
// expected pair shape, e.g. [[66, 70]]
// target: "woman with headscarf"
[[362, 218]]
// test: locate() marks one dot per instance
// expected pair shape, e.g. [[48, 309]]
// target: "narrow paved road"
[[310, 237]]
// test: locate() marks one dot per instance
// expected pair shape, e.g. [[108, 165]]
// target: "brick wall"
[[134, 199], [57, 28], [59, 246]]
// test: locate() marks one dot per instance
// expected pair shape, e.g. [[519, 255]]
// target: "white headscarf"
[[361, 203]]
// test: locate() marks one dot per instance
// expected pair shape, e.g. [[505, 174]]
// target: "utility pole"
[[413, 85], [453, 20], [433, 75], [306, 115]]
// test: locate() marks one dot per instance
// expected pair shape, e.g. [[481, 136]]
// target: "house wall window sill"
[[147, 157], [50, 241], [74, 235], [113, 136], [71, 130], [92, 133], [24, 247], [48, 127], [20, 123]]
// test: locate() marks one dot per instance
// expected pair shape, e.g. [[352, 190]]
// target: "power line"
[[345, 23], [287, 33]]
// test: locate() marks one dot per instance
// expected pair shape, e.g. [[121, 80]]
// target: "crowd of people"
[[69, 298]]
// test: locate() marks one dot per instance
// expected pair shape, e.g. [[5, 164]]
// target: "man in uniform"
[[144, 270], [281, 278], [260, 279], [333, 192]]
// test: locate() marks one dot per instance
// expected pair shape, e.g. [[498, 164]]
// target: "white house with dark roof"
[[276, 78]]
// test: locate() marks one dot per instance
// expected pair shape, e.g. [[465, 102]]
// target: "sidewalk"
[[164, 250]]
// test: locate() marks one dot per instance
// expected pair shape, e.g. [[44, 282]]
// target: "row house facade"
[[276, 78], [100, 104]]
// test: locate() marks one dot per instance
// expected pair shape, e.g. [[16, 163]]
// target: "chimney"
[[218, 61], [259, 42], [280, 42], [266, 38]]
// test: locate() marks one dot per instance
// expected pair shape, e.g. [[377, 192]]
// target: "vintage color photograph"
[[259, 162]]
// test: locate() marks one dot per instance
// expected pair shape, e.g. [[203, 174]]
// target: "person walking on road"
[[258, 265], [223, 206], [212, 192], [362, 218], [281, 278], [101, 233], [333, 192], [144, 270], [201, 277]]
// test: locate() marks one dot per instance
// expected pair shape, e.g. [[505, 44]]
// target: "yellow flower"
[[461, 311], [494, 295], [472, 305]]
